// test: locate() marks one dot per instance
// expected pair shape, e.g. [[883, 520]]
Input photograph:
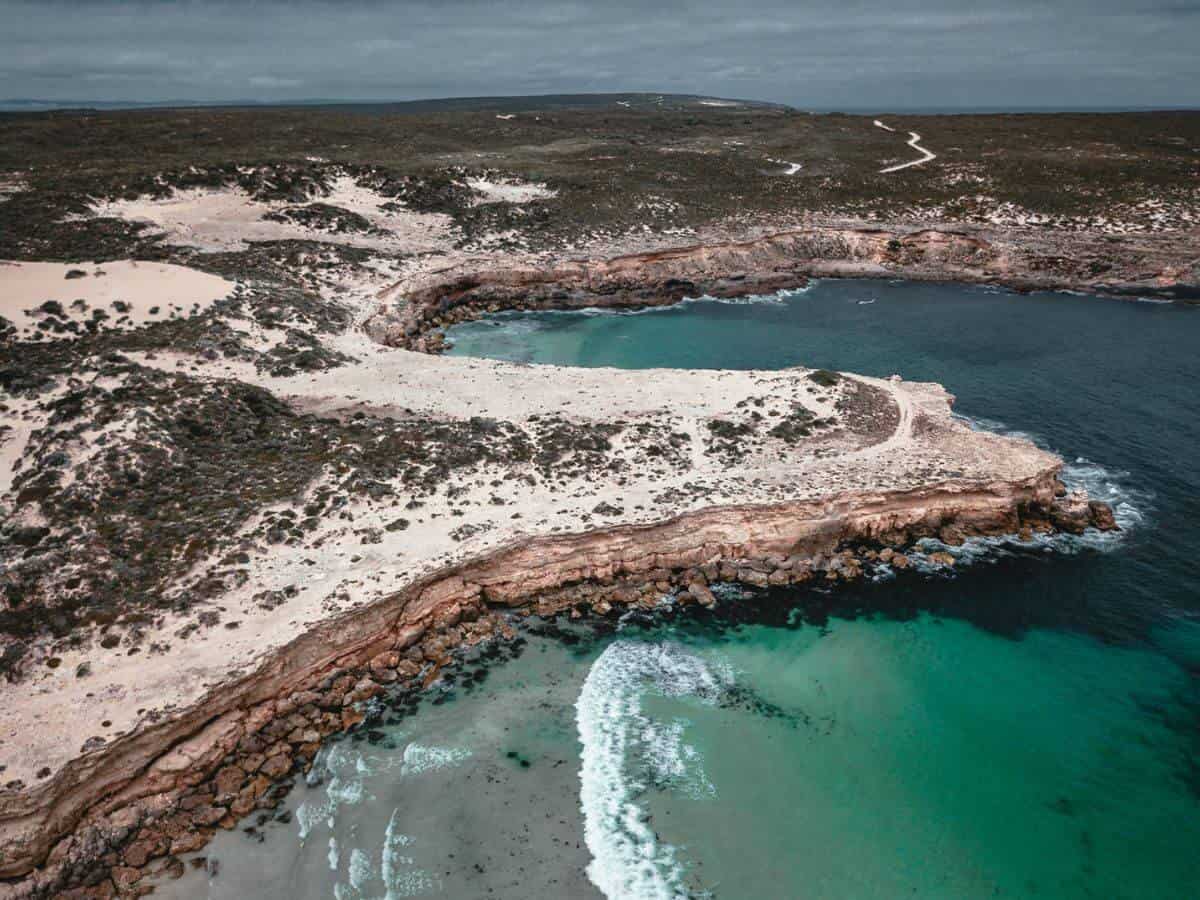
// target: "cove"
[[1026, 726]]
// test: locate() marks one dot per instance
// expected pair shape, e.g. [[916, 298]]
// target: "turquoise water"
[[1029, 727]]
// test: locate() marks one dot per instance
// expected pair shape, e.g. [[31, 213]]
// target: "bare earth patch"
[[509, 191], [228, 218], [44, 299]]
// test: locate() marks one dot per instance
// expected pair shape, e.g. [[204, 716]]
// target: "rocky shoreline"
[[234, 519], [778, 261], [111, 822], [119, 815]]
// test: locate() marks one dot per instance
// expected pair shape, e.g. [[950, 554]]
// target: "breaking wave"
[[1130, 506], [774, 299], [626, 753], [386, 871]]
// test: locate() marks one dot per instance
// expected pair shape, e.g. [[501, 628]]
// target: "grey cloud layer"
[[818, 54]]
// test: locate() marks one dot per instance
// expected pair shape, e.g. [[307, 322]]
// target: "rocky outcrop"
[[824, 504], [101, 823], [1019, 260]]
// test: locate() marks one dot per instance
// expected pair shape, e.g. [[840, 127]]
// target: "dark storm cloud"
[[884, 53]]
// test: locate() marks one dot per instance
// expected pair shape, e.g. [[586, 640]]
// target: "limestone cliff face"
[[101, 797], [778, 261], [732, 501]]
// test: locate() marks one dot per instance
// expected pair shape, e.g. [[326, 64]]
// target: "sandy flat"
[[226, 219], [335, 570], [495, 191], [130, 293]]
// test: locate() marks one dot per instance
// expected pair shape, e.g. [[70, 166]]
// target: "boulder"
[[277, 766], [229, 780], [1071, 513], [702, 594], [1100, 516], [124, 877]]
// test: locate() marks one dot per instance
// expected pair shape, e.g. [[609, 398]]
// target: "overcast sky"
[[809, 53]]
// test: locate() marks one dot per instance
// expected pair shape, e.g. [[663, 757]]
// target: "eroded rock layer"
[[161, 792], [785, 260]]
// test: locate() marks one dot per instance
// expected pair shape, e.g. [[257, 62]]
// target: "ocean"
[[1027, 725]]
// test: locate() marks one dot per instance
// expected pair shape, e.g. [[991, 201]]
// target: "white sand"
[[226, 219], [10, 186], [914, 141], [510, 191], [792, 167], [153, 292]]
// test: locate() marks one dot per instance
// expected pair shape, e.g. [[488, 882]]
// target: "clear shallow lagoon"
[[1027, 728]]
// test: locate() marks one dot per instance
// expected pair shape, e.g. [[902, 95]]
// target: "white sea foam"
[[419, 758], [388, 874], [342, 769], [1129, 504], [361, 871], [774, 299], [345, 792], [673, 762], [400, 877], [621, 746], [730, 591], [308, 816], [883, 572]]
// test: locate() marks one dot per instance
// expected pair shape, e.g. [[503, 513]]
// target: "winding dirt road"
[[914, 141], [792, 167]]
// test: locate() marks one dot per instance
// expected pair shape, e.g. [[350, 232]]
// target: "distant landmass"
[[526, 103], [446, 104]]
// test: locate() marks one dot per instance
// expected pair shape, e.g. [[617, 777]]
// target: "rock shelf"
[[590, 490], [243, 497]]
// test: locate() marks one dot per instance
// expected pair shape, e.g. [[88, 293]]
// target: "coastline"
[[776, 261], [158, 790], [451, 496], [164, 790]]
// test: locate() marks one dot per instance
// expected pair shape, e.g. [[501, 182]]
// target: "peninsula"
[[243, 494]]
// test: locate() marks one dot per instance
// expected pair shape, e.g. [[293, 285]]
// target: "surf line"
[[914, 141]]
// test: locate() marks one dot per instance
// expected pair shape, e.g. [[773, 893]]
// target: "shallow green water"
[[1027, 728]]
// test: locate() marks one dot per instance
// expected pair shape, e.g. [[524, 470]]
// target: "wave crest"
[[1130, 506], [625, 753]]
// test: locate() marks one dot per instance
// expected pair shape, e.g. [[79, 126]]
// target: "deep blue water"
[[1113, 382], [1027, 726]]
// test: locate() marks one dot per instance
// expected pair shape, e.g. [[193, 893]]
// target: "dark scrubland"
[[676, 164], [210, 456], [142, 493]]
